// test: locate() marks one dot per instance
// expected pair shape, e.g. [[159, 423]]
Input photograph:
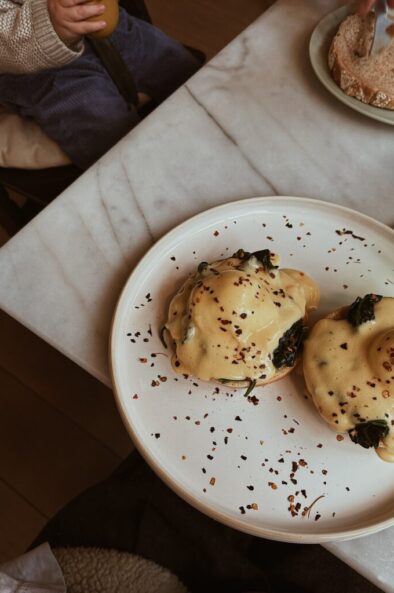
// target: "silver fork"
[[382, 36]]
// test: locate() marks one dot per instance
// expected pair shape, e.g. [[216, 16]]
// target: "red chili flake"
[[273, 485], [269, 238], [212, 481], [242, 509], [216, 233], [344, 346], [183, 457], [157, 435], [340, 437], [230, 430], [279, 398], [345, 286], [292, 509], [302, 462], [135, 396], [163, 379], [254, 506], [319, 446]]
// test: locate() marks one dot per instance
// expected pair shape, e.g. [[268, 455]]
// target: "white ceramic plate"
[[229, 458], [318, 52]]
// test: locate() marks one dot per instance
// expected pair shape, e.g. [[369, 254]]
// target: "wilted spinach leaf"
[[368, 434], [201, 266], [363, 309], [263, 256], [289, 346], [251, 386]]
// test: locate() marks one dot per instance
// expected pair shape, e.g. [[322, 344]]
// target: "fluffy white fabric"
[[91, 570]]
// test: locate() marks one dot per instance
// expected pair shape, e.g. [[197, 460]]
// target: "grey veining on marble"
[[254, 121]]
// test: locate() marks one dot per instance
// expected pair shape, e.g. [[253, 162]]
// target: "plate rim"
[[367, 110], [205, 508]]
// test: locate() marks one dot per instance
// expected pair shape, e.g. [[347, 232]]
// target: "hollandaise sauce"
[[228, 318], [349, 371]]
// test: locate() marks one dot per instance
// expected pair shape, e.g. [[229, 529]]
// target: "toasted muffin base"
[[259, 383]]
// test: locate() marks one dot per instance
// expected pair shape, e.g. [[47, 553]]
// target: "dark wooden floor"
[[59, 428], [206, 24]]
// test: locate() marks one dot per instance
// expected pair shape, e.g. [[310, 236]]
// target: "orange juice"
[[110, 16]]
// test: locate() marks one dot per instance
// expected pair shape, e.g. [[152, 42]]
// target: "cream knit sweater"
[[28, 41]]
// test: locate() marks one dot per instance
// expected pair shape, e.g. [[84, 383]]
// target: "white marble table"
[[254, 121]]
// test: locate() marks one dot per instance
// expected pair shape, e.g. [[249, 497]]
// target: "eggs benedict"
[[348, 364], [241, 320]]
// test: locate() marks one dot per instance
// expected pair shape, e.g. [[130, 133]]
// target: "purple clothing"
[[79, 106]]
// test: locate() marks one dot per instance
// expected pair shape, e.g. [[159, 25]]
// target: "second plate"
[[318, 52]]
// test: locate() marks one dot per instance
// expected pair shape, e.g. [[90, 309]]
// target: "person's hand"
[[70, 19], [364, 6]]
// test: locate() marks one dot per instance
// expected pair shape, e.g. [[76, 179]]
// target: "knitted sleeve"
[[28, 41]]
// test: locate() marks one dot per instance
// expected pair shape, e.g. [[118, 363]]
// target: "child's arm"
[[41, 34]]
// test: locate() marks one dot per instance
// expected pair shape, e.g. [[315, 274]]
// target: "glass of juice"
[[110, 16]]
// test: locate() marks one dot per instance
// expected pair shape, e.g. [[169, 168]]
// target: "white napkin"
[[34, 572]]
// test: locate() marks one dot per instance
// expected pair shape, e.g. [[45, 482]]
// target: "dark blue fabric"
[[78, 105]]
